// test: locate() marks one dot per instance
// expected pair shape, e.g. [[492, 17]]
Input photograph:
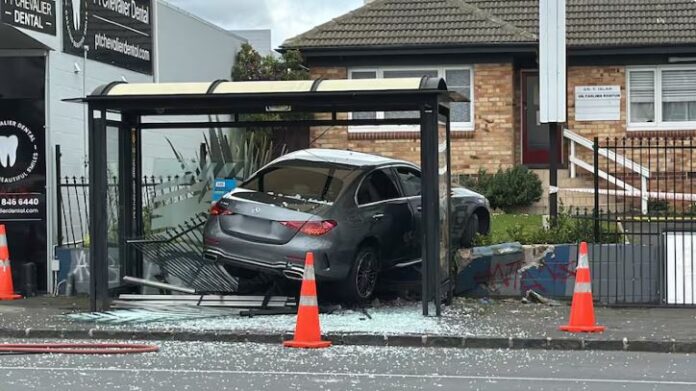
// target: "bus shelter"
[[120, 112]]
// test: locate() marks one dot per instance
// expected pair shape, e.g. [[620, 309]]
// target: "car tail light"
[[219, 210], [311, 228]]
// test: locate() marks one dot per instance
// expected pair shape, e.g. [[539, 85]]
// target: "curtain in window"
[[678, 95], [642, 91], [459, 80]]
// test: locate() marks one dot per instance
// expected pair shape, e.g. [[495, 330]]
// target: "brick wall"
[[605, 75], [669, 167], [489, 146], [495, 141], [596, 76]]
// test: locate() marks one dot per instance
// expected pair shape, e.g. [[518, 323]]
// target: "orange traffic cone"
[[6, 286], [582, 318], [307, 330]]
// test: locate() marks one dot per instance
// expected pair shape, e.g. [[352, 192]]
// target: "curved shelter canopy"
[[139, 103], [256, 96]]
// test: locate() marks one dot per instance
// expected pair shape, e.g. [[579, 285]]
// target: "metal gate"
[[644, 202]]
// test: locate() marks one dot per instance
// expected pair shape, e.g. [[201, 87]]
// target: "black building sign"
[[37, 15], [117, 32], [23, 160]]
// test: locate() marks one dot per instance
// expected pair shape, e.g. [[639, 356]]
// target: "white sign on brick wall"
[[597, 103]]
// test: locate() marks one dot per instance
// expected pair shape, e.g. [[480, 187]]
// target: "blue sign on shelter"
[[222, 187]]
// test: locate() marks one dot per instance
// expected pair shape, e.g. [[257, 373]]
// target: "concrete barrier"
[[620, 272]]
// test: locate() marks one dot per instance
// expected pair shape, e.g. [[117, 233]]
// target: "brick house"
[[642, 52]]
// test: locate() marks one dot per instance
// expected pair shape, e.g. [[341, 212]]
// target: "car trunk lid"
[[260, 217]]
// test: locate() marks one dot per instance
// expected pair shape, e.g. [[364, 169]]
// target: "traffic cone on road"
[[582, 317], [6, 286], [307, 330]]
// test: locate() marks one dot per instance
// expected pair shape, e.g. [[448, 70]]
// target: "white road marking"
[[355, 374]]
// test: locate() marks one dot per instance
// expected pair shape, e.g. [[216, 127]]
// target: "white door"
[[681, 280]]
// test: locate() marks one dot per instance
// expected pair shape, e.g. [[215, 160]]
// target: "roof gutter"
[[411, 49], [525, 48]]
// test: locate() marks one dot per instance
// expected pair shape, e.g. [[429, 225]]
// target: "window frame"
[[395, 181], [659, 123], [401, 182], [441, 71]]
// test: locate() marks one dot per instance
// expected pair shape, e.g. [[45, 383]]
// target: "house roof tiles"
[[591, 23]]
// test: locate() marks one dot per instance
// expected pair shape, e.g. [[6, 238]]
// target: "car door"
[[410, 182], [386, 215]]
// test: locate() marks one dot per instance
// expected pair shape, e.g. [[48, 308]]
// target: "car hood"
[[464, 192]]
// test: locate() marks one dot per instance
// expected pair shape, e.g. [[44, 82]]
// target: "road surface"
[[221, 366]]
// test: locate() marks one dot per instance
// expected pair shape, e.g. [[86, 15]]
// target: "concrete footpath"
[[468, 323]]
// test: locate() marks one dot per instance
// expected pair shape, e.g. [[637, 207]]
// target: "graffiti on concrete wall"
[[512, 269]]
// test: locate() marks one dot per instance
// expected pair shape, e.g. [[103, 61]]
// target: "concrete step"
[[566, 199]]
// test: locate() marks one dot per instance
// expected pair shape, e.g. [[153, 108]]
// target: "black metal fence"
[[73, 196], [644, 221]]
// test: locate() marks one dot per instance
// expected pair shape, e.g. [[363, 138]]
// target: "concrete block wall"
[[621, 273]]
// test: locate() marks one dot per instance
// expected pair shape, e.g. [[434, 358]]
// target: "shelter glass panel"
[[113, 210], [444, 192]]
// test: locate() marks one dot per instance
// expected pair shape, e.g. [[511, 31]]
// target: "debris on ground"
[[532, 296]]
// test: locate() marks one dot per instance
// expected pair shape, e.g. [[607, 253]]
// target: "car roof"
[[339, 156]]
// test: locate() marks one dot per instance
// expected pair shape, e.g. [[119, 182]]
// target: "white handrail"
[[575, 161], [611, 155]]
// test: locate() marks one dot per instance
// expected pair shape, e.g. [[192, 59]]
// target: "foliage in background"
[[507, 189], [233, 152], [528, 229], [658, 206], [251, 66]]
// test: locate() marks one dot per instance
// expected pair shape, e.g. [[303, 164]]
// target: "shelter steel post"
[[125, 198], [449, 249], [130, 196], [431, 212], [98, 277], [136, 139], [59, 199]]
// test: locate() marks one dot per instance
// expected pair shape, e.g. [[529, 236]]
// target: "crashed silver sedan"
[[359, 214]]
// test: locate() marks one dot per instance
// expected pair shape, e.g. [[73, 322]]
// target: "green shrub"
[[568, 229], [506, 189], [658, 206]]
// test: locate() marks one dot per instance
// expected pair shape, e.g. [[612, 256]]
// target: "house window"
[[662, 97], [459, 79]]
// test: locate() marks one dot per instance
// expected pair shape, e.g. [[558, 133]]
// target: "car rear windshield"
[[317, 183]]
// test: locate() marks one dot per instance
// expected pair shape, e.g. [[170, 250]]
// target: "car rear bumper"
[[287, 269], [332, 260]]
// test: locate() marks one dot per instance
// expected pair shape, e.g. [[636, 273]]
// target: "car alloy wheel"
[[366, 274]]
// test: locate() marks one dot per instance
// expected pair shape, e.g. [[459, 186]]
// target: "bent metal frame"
[[138, 104]]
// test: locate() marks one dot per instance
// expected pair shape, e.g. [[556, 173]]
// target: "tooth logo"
[[76, 10], [8, 150], [19, 151], [75, 23]]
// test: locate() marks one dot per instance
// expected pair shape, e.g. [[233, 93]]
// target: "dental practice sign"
[[21, 176], [116, 32], [37, 15]]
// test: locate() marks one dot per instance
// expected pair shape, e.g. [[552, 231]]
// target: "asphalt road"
[[220, 366]]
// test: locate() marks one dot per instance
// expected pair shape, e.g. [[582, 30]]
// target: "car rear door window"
[[377, 186], [410, 180]]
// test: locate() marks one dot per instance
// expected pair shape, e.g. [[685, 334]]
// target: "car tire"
[[361, 282], [472, 228]]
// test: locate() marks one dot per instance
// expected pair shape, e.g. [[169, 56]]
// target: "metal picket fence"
[[644, 198]]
